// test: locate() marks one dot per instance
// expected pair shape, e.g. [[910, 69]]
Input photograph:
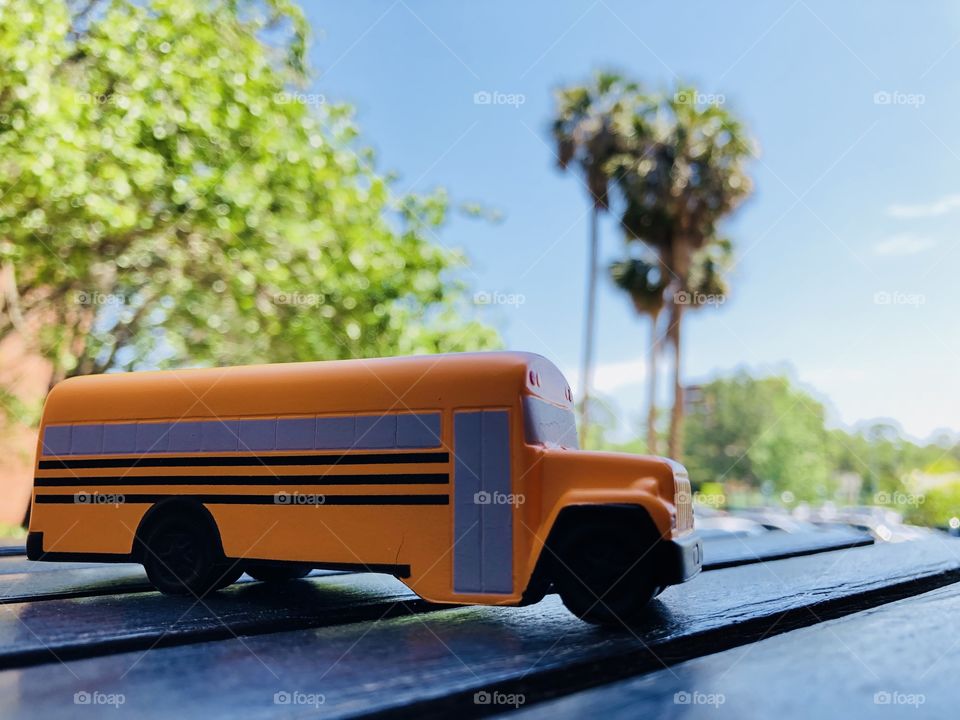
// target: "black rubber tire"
[[604, 574], [228, 573], [182, 557], [278, 573]]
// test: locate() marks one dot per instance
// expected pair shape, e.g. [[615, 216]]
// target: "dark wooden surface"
[[12, 547], [754, 630], [899, 661], [723, 553]]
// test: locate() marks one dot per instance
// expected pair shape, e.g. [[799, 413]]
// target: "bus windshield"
[[547, 424]]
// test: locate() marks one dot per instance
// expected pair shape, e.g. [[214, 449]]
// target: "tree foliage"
[[682, 171], [170, 194], [587, 129], [759, 432], [765, 434], [939, 506]]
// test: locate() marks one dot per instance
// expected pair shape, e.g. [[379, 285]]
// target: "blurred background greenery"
[[754, 442]]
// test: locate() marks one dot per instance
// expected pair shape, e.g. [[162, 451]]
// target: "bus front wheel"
[[603, 574]]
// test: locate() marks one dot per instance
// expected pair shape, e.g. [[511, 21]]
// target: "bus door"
[[483, 503]]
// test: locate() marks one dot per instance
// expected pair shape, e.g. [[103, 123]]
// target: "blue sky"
[[847, 256]]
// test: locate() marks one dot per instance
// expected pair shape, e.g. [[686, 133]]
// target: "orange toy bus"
[[458, 474]]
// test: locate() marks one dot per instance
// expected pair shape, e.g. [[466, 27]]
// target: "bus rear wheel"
[[228, 574], [278, 573], [604, 573], [181, 558]]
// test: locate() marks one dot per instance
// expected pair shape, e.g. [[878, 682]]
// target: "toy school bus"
[[458, 474]]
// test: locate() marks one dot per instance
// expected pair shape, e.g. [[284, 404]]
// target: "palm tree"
[[644, 281], [586, 137], [709, 269], [682, 171]]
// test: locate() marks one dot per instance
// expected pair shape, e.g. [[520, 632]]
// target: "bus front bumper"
[[681, 558]]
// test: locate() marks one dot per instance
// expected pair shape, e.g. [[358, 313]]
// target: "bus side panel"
[[81, 527], [384, 535]]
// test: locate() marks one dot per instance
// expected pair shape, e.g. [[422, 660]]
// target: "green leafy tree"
[[940, 505], [761, 433], [764, 434], [170, 194], [888, 463]]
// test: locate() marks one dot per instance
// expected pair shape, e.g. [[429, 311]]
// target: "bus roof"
[[366, 385]]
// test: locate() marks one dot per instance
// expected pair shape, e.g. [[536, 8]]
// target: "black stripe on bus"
[[213, 499], [245, 460], [379, 479]]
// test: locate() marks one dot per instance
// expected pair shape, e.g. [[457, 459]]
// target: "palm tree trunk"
[[681, 252], [586, 369], [652, 384], [675, 445]]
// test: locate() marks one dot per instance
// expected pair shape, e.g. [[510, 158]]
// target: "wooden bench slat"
[[73, 582], [37, 632], [434, 662], [20, 565], [888, 662], [33, 582], [723, 553]]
